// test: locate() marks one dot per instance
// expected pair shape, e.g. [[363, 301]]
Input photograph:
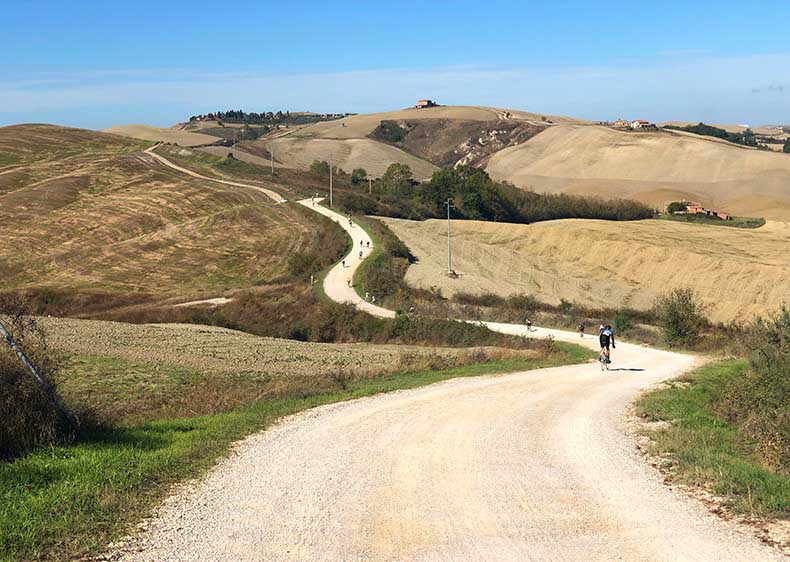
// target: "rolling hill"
[[653, 167], [738, 273], [157, 134], [353, 142], [533, 151], [84, 211]]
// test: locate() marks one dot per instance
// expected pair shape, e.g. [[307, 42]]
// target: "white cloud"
[[701, 88]]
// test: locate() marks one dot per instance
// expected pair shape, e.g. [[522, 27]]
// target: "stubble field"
[[737, 273]]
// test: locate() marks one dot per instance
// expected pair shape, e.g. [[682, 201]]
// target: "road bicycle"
[[604, 361]]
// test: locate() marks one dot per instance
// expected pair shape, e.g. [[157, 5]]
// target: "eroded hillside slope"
[[737, 273]]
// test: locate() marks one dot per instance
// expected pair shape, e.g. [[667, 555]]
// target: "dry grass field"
[[131, 372], [652, 167], [347, 139], [360, 126], [738, 273], [373, 156], [156, 134], [91, 212]]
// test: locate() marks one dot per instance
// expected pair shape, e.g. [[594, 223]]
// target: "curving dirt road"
[[527, 466], [336, 283], [273, 195]]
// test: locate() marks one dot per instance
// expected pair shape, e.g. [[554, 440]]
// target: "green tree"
[[320, 168], [358, 175], [680, 315], [675, 207], [786, 148], [398, 179]]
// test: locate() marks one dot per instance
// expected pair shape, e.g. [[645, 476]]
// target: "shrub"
[[680, 316], [758, 402], [622, 322], [301, 264], [320, 168], [358, 175], [29, 418], [521, 301], [483, 299], [382, 275], [676, 207], [390, 131], [566, 307]]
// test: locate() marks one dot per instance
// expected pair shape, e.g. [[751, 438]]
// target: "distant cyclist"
[[606, 338], [581, 330], [529, 325]]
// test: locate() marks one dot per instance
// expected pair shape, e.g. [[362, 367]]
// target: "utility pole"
[[271, 155], [370, 186], [449, 204], [330, 181]]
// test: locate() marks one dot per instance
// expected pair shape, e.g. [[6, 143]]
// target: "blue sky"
[[95, 64]]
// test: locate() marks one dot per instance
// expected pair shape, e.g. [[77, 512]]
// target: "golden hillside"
[[652, 167], [157, 134], [347, 140], [83, 210], [738, 273]]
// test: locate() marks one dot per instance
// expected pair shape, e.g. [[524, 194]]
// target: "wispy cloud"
[[683, 52], [770, 88], [705, 88]]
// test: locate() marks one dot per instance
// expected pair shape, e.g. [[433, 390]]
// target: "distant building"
[[621, 124], [422, 104], [642, 124], [697, 209]]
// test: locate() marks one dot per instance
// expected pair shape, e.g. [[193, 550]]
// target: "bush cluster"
[[476, 196], [680, 315], [745, 138], [759, 403], [29, 418]]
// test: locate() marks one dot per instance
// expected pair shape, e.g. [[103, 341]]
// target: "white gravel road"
[[529, 466], [526, 466]]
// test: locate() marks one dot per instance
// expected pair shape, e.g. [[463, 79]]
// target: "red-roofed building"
[[642, 124], [422, 104]]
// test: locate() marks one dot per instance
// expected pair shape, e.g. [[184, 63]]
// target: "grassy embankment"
[[706, 450], [69, 501], [736, 222]]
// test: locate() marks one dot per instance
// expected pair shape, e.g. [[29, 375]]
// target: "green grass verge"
[[70, 501], [736, 222], [708, 451]]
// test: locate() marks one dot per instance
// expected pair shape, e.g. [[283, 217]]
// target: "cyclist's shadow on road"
[[627, 369]]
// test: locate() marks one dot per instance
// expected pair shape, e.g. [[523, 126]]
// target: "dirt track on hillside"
[[529, 466]]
